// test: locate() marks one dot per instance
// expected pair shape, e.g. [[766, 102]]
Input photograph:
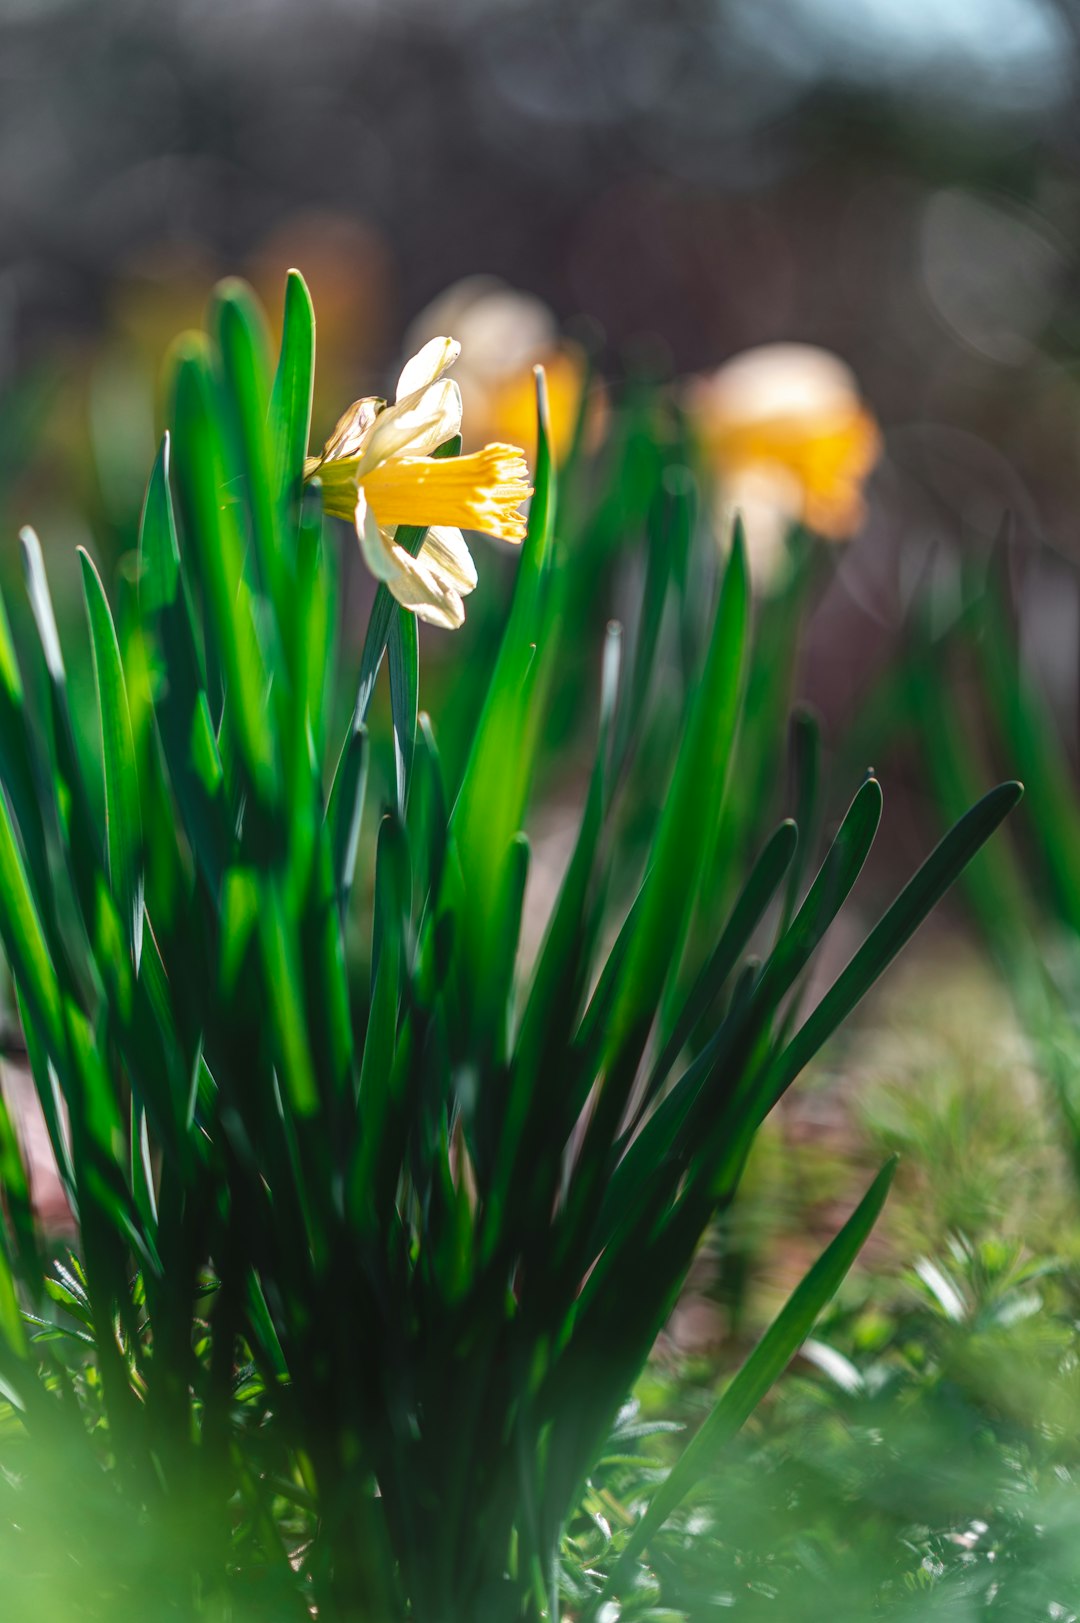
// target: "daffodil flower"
[[791, 442], [377, 470]]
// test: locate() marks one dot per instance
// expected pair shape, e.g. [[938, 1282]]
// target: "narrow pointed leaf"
[[290, 403], [123, 822], [765, 1365], [688, 821], [919, 896], [404, 698], [495, 785]]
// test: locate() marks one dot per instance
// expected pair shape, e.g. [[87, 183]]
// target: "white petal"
[[414, 584], [415, 426], [445, 553], [375, 544], [427, 364], [789, 381], [429, 599]]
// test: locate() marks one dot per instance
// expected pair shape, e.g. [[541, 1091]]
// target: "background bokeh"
[[897, 182]]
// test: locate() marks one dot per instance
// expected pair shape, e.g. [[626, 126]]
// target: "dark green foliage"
[[366, 1269]]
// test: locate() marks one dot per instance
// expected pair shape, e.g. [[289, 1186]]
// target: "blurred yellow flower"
[[377, 470], [791, 442], [504, 334]]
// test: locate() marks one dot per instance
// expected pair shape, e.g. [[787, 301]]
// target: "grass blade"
[[764, 881], [123, 823], [404, 698], [919, 896], [213, 525], [688, 822], [498, 773], [765, 1365], [24, 941], [346, 807], [294, 381]]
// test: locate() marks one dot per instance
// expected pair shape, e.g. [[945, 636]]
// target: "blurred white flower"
[[504, 334], [790, 441]]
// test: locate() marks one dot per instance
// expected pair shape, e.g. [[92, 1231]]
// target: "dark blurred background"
[[899, 182]]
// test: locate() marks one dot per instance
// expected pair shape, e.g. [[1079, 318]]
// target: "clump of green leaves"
[[971, 696], [367, 1262], [920, 1458]]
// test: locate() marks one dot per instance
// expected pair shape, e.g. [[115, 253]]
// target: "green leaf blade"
[[919, 896], [123, 822], [294, 381], [688, 822], [765, 1365]]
